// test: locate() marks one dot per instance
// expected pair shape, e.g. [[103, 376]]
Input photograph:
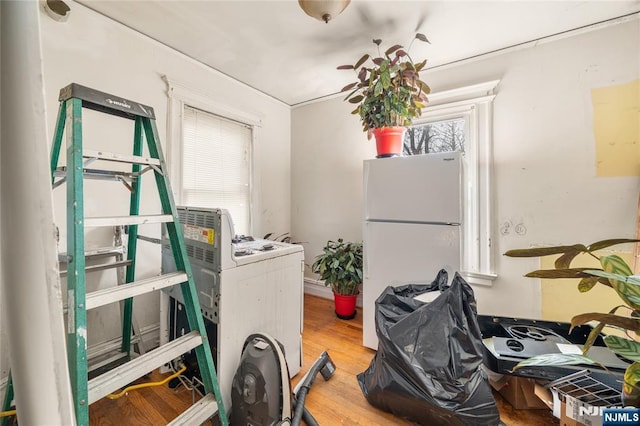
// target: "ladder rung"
[[127, 220], [124, 374], [97, 174], [100, 251], [198, 413], [120, 158], [125, 291], [101, 267]]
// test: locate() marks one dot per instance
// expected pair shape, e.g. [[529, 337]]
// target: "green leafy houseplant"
[[340, 266], [617, 275], [388, 89]]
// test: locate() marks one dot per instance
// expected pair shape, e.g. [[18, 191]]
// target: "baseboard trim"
[[317, 288]]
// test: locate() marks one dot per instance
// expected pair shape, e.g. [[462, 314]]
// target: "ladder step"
[[121, 376], [120, 158], [125, 291], [101, 267], [127, 220], [198, 413], [98, 174], [100, 251]]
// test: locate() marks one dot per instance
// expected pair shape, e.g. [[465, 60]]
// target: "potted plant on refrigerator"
[[340, 267], [389, 94]]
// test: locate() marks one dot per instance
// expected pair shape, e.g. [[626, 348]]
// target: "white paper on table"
[[569, 349]]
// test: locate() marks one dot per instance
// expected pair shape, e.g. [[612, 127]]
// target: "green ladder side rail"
[[73, 99], [8, 397]]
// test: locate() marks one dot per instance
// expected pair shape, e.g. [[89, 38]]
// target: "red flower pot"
[[345, 306], [389, 141]]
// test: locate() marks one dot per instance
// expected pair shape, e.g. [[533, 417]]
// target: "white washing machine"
[[245, 286]]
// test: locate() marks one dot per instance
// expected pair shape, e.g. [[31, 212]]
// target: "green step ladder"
[[73, 99], [8, 397]]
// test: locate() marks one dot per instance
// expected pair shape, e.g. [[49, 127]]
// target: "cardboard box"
[[544, 394], [519, 392], [566, 420], [577, 413]]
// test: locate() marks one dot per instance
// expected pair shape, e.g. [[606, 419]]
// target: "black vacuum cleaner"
[[261, 391]]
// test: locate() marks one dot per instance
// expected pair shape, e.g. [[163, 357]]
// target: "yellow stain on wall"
[[561, 299], [616, 127]]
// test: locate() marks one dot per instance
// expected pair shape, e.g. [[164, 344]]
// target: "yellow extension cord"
[[7, 413], [123, 392], [146, 385]]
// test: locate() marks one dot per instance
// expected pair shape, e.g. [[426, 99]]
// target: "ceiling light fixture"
[[323, 10]]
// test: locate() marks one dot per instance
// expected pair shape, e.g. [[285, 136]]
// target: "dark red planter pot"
[[389, 141], [345, 306]]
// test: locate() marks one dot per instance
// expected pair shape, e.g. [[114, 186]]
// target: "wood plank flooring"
[[338, 401]]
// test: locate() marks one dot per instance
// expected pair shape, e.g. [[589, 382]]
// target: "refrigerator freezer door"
[[419, 188], [403, 253]]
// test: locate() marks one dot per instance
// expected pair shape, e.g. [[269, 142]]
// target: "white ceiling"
[[276, 48]]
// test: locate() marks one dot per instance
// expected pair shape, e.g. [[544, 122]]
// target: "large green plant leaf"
[[544, 251], [628, 292], [564, 261], [554, 359], [399, 55], [422, 37], [591, 338], [615, 264], [559, 273], [392, 49], [420, 65], [385, 78], [349, 87], [599, 245], [588, 283], [627, 323], [547, 251], [631, 279], [631, 380], [627, 287], [361, 61], [424, 86], [627, 348], [595, 332]]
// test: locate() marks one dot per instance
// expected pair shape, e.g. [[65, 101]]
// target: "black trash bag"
[[428, 365]]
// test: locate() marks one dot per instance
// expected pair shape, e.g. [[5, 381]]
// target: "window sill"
[[481, 279]]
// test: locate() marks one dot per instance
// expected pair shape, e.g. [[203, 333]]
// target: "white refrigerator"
[[412, 224]]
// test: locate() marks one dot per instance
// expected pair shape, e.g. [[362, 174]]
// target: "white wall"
[[544, 157], [97, 52]]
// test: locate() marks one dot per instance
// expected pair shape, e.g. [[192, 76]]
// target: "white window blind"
[[216, 165]]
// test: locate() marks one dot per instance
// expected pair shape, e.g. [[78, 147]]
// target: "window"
[[437, 136], [216, 155], [461, 120], [210, 153]]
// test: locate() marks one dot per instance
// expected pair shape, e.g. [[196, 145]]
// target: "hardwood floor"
[[338, 401]]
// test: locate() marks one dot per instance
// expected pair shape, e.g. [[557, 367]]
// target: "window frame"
[[181, 95], [475, 104]]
